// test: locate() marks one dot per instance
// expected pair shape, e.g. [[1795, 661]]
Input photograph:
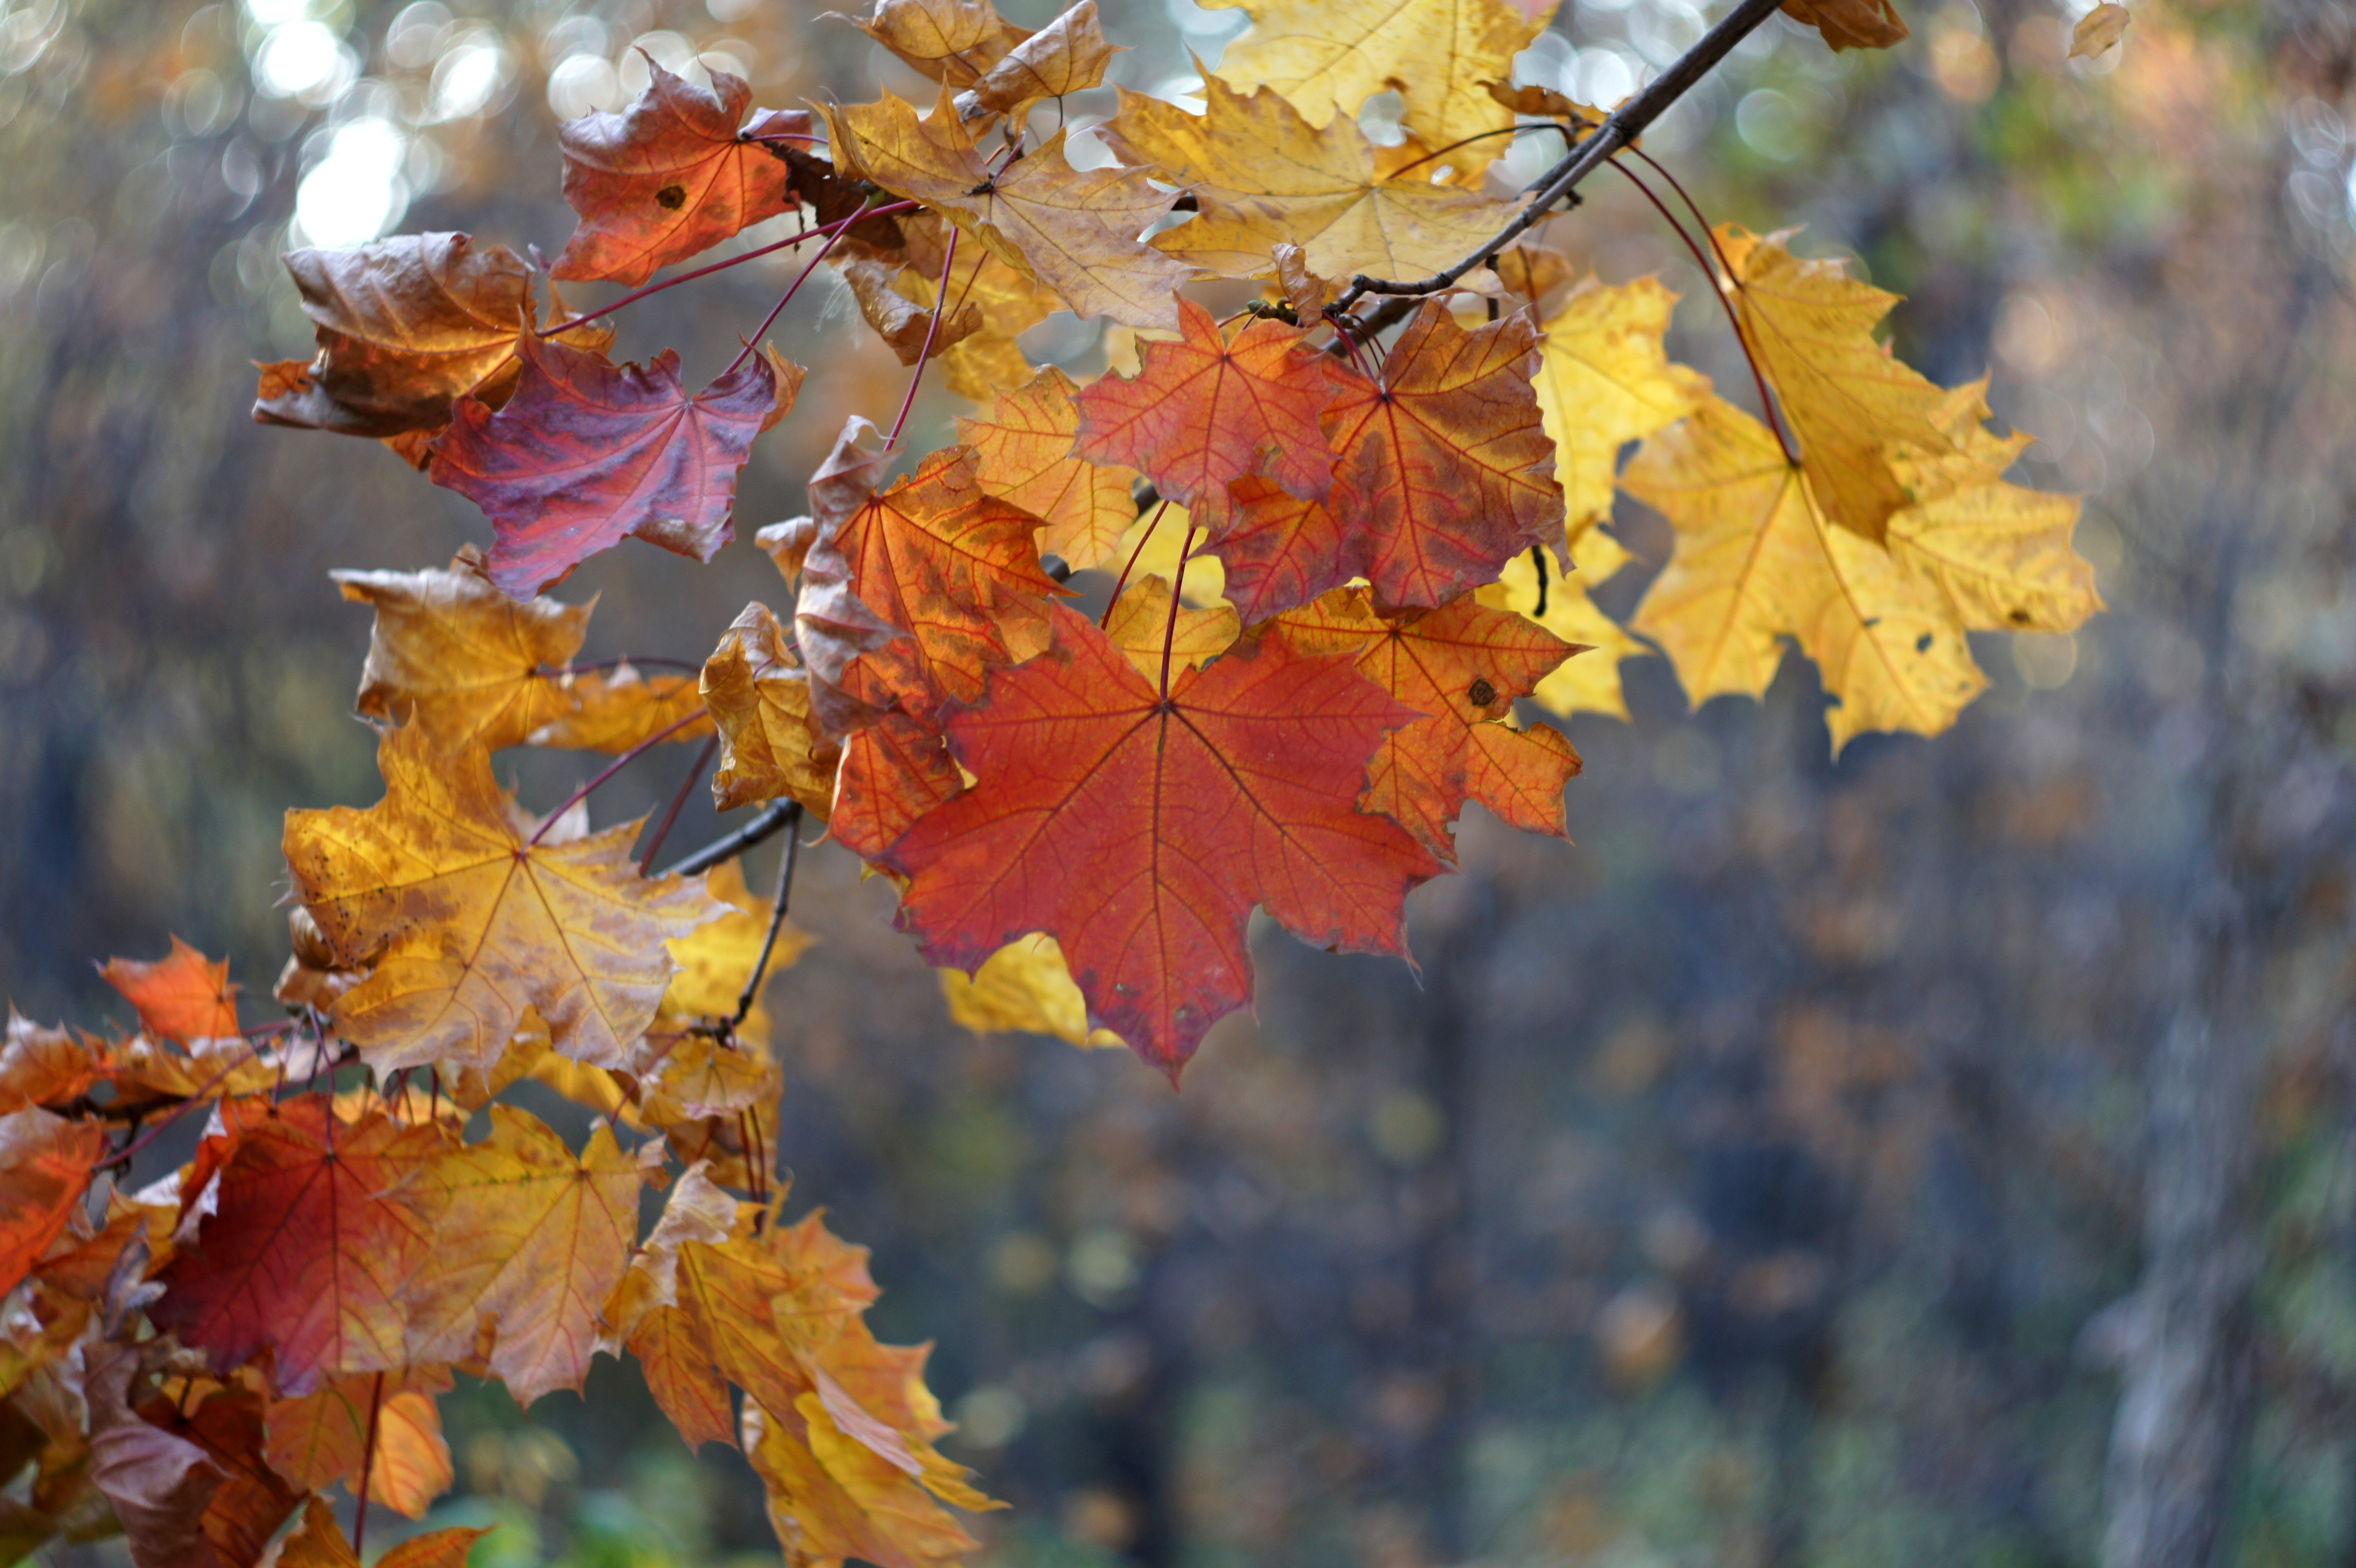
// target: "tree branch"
[[1619, 129], [773, 817]]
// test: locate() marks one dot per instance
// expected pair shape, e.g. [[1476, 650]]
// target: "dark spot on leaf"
[[2020, 618], [1482, 694], [1922, 643], [671, 197]]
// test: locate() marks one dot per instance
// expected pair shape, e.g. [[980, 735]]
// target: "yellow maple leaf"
[[1587, 683], [1845, 397], [1758, 560], [771, 743], [1141, 626], [1261, 176], [1073, 231], [1024, 988], [474, 925], [1328, 57], [619, 708], [1604, 380], [1025, 447]]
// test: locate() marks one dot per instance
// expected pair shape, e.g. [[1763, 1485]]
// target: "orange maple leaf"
[[1202, 410], [1462, 665], [468, 923], [185, 997], [406, 327], [532, 1240], [1025, 446], [45, 1163], [1444, 474], [672, 175], [1139, 831], [893, 772], [909, 597], [308, 1251], [321, 1438]]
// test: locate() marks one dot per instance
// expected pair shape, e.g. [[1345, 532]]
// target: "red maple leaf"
[[672, 175], [893, 772], [309, 1251], [1202, 410], [1140, 829], [588, 451], [1444, 473]]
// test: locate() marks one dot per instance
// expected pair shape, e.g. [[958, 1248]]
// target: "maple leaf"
[[1444, 474], [456, 656], [1262, 173], [321, 1438], [185, 997], [1603, 381], [1142, 624], [308, 1251], [1011, 303], [534, 1240], [587, 452], [1559, 602], [835, 1497], [2001, 553], [1846, 397], [618, 709], [669, 176], [227, 1423], [1024, 449], [1759, 560], [1328, 57], [45, 1164], [43, 1067], [474, 924], [893, 772], [771, 743], [953, 41], [406, 327], [909, 597], [319, 1542], [1850, 23], [1066, 56], [1202, 411], [1074, 232], [1460, 666], [161, 1486], [1139, 832], [1024, 987]]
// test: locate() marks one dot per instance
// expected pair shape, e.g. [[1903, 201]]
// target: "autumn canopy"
[[1247, 622]]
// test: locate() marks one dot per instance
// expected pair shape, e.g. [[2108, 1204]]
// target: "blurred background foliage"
[[1936, 1156]]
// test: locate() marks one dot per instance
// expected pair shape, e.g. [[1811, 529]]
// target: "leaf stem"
[[1468, 141], [611, 769], [932, 331], [833, 232], [1169, 629], [1105, 619], [637, 295], [777, 915], [368, 1454], [1717, 287], [694, 772]]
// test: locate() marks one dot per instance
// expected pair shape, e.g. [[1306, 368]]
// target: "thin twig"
[[1619, 128], [837, 232], [1169, 631], [637, 295], [932, 331], [773, 817], [662, 829], [367, 1458], [1733, 318], [611, 769], [777, 915]]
